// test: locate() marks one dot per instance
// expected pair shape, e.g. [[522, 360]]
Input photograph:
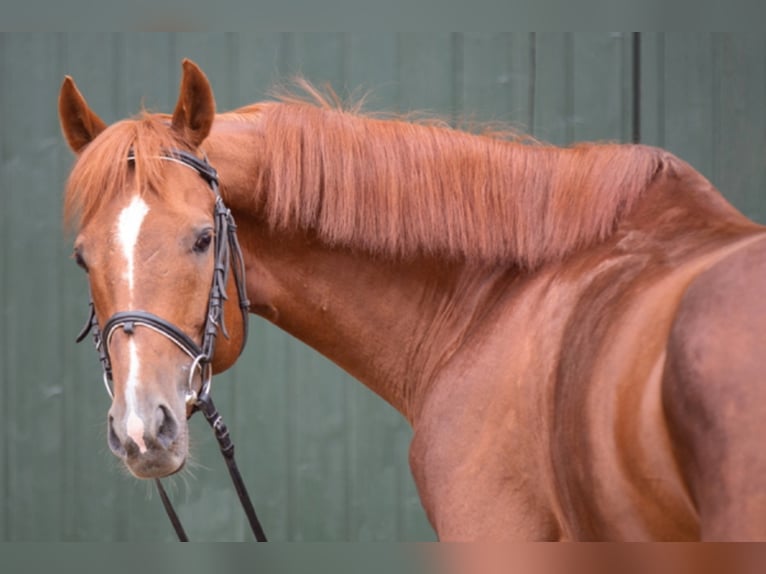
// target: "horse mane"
[[396, 188], [399, 188]]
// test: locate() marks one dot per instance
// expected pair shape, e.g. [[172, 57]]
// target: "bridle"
[[228, 257]]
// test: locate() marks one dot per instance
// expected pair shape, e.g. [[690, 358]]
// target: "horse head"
[[149, 238]]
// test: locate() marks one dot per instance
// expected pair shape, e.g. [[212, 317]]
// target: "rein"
[[228, 257]]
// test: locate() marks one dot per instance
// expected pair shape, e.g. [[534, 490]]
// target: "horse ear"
[[195, 109], [79, 123]]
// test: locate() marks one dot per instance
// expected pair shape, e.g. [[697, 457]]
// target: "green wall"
[[323, 457]]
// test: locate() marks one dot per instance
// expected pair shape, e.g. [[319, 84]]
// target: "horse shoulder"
[[476, 454], [714, 393]]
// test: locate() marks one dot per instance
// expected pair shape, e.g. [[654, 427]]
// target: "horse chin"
[[157, 461], [149, 467]]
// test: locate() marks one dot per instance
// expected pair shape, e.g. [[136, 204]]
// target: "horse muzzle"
[[152, 442]]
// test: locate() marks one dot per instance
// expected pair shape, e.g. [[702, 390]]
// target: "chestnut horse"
[[575, 334]]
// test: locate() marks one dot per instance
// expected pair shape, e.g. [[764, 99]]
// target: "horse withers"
[[574, 334]]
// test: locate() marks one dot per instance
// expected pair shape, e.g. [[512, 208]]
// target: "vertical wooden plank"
[[257, 66], [263, 437], [373, 70], [5, 254], [554, 87], [289, 65], [10, 373], [601, 105], [653, 88], [739, 121], [426, 73], [148, 71], [689, 104], [322, 58], [497, 79]]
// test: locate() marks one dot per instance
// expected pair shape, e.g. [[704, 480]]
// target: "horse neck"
[[390, 324]]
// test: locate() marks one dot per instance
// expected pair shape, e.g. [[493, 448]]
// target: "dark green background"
[[323, 457]]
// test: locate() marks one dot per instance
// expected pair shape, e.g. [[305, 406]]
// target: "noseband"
[[228, 257]]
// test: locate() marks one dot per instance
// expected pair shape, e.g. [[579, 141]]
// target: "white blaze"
[[128, 228]]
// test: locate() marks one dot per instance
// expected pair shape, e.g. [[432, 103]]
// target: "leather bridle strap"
[[171, 512], [129, 319], [207, 408], [221, 431]]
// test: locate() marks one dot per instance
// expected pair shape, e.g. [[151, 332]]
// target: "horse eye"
[[78, 258], [203, 242]]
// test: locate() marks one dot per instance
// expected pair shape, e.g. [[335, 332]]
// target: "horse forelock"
[[398, 188], [103, 173]]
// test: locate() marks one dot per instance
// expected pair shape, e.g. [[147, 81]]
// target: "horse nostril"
[[167, 431], [114, 441]]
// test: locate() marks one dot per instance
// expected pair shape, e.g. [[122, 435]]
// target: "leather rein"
[[228, 257]]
